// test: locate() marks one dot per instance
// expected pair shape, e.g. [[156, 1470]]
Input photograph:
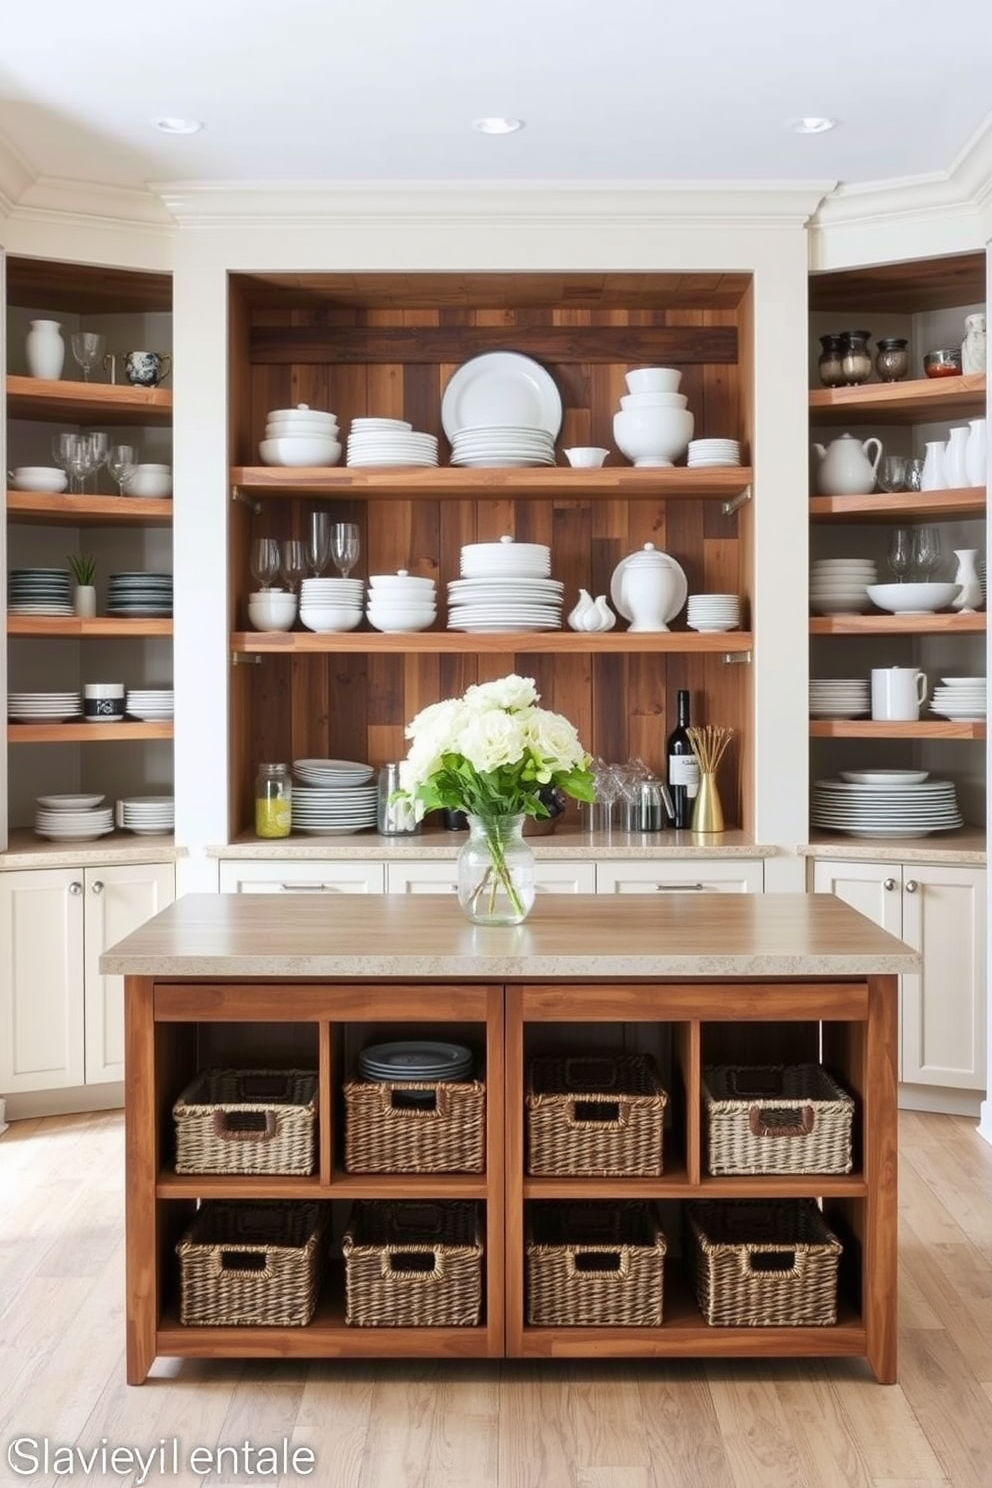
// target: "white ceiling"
[[385, 90]]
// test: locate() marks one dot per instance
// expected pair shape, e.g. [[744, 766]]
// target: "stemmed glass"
[[264, 559], [80, 461], [61, 445], [122, 463], [293, 563], [87, 348], [344, 547], [900, 552], [926, 551], [319, 544], [99, 448]]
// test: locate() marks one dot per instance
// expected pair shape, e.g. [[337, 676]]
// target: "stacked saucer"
[[713, 452], [962, 699], [885, 810], [385, 441], [334, 773], [839, 697], [492, 445], [73, 818], [150, 703], [136, 594], [324, 809], [838, 586], [44, 707], [331, 604], [425, 1061], [39, 591], [713, 612], [148, 816]]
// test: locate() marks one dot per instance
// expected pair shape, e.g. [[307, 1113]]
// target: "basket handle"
[[412, 1265], [251, 1261], [803, 1122], [599, 1262], [779, 1261], [599, 1113], [245, 1126], [440, 1104]]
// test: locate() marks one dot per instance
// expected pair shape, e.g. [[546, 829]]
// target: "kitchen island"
[[226, 980]]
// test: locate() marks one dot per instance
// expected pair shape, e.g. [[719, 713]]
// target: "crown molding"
[[16, 176], [94, 202], [310, 203]]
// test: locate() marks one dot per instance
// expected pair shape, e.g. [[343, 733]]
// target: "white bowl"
[[653, 436], [912, 599], [271, 616], [149, 483], [401, 583], [38, 478], [302, 412], [301, 451], [400, 619], [299, 429], [653, 400], [323, 621], [654, 380], [585, 457]]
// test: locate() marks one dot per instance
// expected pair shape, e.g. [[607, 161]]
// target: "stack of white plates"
[[383, 441], [900, 809], [44, 707], [838, 586], [147, 815], [513, 445], [963, 699], [839, 697], [714, 452], [338, 774], [331, 604], [135, 594], [505, 559], [72, 818], [150, 703], [504, 604], [326, 809], [39, 591], [713, 612]]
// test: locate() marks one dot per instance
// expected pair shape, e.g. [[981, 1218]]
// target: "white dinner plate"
[[500, 388]]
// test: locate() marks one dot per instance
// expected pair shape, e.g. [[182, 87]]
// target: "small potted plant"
[[83, 568]]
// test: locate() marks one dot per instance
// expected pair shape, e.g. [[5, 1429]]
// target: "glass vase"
[[496, 871]]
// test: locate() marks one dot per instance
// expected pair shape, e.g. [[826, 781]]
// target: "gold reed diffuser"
[[709, 744]]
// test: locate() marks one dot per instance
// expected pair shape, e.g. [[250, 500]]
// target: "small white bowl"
[[585, 457], [302, 429], [300, 451], [912, 599], [654, 380], [400, 619], [38, 478], [303, 412], [145, 482], [324, 621], [653, 400], [402, 582], [265, 617]]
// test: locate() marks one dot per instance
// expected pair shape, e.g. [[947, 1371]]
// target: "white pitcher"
[[966, 575], [976, 455], [955, 450], [846, 468], [932, 477]]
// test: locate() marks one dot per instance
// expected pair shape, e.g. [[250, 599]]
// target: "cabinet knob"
[[75, 887], [911, 886], [97, 886], [889, 884]]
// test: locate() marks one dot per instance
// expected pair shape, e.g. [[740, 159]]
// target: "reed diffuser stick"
[[709, 744]]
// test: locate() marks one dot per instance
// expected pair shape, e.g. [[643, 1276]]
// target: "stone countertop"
[[566, 937], [966, 847], [435, 843], [25, 850]]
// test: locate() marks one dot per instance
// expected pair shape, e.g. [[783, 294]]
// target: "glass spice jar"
[[855, 358], [892, 358], [273, 801], [830, 365]]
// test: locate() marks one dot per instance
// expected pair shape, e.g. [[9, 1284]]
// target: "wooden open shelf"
[[459, 643], [58, 508], [919, 401], [437, 482], [940, 624], [86, 402], [86, 733], [870, 728], [75, 629], [899, 506]]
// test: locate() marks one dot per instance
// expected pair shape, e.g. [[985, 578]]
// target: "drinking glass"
[[99, 448], [61, 444], [892, 473], [87, 348], [264, 560], [122, 462], [926, 551], [344, 547], [319, 545], [900, 552], [80, 462], [293, 563], [914, 475]]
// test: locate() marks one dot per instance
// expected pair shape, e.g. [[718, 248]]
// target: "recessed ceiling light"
[[812, 124], [179, 126], [497, 126]]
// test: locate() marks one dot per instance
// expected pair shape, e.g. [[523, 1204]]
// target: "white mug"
[[897, 693]]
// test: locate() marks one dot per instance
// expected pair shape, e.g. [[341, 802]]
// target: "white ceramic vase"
[[84, 601], [967, 576], [973, 348], [976, 456], [955, 451], [932, 478], [45, 349]]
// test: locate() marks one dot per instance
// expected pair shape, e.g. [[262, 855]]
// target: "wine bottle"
[[683, 767]]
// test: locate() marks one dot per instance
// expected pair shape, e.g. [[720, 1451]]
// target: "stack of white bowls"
[[710, 452], [505, 586], [300, 436], [38, 478], [150, 703], [401, 602], [839, 586], [389, 442], [653, 427], [148, 816], [709, 613], [272, 609], [149, 480], [331, 604]]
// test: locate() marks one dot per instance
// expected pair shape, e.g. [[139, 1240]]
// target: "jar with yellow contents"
[[273, 801]]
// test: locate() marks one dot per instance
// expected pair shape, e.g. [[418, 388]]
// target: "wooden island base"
[[229, 980]]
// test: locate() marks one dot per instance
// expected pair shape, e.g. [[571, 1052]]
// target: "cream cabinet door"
[[116, 901], [874, 889], [944, 1009], [301, 876], [550, 876], [681, 876], [41, 980]]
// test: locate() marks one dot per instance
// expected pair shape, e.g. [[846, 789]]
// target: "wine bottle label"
[[683, 769]]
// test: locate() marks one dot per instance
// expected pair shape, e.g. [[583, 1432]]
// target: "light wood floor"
[[483, 1425]]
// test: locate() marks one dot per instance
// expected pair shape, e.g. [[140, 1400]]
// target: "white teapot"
[[845, 467]]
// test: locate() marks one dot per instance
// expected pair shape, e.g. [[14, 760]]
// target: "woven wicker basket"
[[594, 1264], [250, 1264], [413, 1265], [776, 1119], [247, 1121], [599, 1116], [768, 1263], [414, 1127]]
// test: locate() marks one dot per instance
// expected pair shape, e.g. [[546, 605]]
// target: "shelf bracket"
[[255, 507], [736, 502], [736, 658], [245, 658]]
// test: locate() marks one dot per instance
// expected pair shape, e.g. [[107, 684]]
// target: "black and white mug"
[[103, 702]]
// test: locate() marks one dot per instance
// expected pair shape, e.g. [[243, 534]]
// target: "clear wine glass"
[[61, 444], [99, 448], [122, 461], [88, 348], [900, 552], [926, 551], [80, 462], [264, 560], [319, 544], [344, 547], [293, 563]]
